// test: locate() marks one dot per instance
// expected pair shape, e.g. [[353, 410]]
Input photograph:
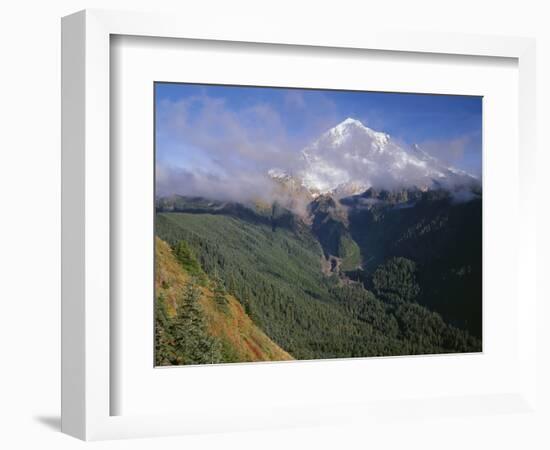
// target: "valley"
[[388, 294]]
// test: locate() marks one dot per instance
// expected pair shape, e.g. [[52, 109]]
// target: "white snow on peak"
[[351, 121], [349, 127], [277, 173], [351, 157]]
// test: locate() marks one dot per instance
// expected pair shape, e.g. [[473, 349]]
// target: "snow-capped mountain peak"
[[277, 174], [351, 157], [348, 128], [350, 121]]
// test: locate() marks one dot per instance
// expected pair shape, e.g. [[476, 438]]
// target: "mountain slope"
[[441, 235], [240, 339], [329, 223], [276, 272]]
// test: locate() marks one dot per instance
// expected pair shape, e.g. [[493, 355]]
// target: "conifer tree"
[[164, 340], [193, 344]]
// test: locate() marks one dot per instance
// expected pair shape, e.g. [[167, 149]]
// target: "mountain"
[[351, 158]]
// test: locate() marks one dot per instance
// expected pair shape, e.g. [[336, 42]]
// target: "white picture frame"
[[86, 221]]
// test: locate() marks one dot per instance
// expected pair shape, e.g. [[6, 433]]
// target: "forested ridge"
[[379, 297], [196, 320]]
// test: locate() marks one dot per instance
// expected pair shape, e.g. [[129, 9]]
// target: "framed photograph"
[[285, 230], [267, 229]]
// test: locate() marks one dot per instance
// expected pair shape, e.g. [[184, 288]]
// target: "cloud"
[[253, 187], [294, 99], [206, 146], [199, 183], [253, 135], [457, 151], [449, 150]]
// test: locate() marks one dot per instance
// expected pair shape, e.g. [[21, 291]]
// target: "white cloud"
[[206, 148]]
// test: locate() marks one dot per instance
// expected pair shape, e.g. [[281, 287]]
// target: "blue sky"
[[228, 129]]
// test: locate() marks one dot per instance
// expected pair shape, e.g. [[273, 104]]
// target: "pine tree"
[[193, 344], [188, 261], [164, 340]]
